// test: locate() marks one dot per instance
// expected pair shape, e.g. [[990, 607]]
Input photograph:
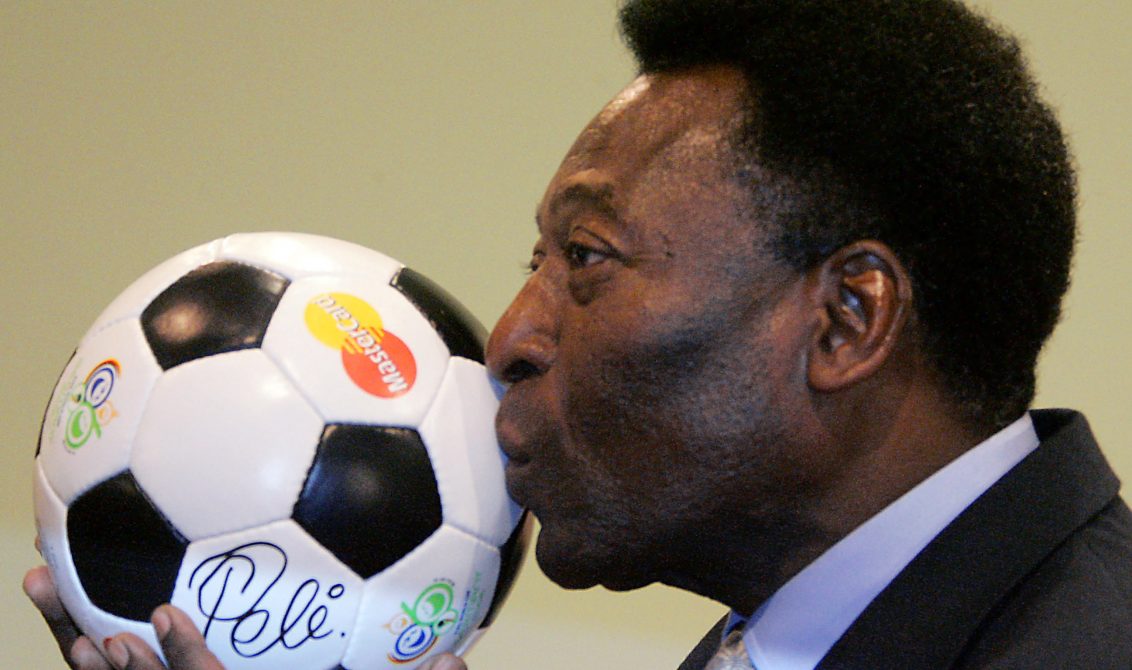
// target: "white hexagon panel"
[[297, 255], [359, 350], [95, 410], [269, 597], [430, 602], [460, 433], [225, 444]]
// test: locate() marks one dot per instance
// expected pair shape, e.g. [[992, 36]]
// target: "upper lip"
[[510, 443], [509, 427], [517, 461]]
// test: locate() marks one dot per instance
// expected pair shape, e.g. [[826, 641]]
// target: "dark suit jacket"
[[1036, 573]]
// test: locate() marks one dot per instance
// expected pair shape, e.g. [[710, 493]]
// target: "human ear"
[[863, 295]]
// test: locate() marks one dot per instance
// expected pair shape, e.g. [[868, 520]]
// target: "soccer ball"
[[291, 438]]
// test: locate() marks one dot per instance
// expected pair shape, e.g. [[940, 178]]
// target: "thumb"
[[181, 642]]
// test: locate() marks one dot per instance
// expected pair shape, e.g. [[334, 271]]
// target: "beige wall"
[[129, 131]]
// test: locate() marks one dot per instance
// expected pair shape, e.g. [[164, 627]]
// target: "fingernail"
[[161, 623], [117, 652]]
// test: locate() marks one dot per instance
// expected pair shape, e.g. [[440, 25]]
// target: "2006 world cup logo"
[[419, 626], [90, 407]]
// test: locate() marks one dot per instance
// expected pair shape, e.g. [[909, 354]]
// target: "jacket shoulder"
[[1074, 610]]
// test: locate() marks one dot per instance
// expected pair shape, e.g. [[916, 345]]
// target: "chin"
[[587, 564], [569, 572]]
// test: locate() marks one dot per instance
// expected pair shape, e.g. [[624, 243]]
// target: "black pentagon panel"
[[511, 559], [126, 554], [371, 495], [218, 307], [464, 335]]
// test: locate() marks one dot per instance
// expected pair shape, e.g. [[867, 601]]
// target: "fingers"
[[181, 641], [84, 656], [40, 589], [128, 652], [445, 662]]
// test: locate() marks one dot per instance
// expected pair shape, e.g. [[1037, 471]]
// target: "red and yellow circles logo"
[[374, 358]]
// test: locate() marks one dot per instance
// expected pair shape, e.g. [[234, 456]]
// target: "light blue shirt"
[[799, 624]]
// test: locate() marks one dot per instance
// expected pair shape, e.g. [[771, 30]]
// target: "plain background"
[[426, 129]]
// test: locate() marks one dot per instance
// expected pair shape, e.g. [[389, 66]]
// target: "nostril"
[[518, 371]]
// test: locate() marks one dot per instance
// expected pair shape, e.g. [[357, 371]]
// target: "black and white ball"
[[291, 438]]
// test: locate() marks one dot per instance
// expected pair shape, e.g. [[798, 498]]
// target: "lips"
[[515, 446], [515, 471], [510, 440]]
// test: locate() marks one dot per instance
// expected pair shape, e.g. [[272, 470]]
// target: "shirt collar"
[[798, 625]]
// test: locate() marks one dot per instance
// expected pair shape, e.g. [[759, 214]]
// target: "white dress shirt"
[[799, 624]]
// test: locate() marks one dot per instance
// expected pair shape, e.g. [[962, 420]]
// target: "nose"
[[524, 341]]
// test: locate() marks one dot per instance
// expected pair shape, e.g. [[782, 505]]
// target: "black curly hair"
[[912, 122]]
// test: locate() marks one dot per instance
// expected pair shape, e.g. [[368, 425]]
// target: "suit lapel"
[[706, 648], [926, 616]]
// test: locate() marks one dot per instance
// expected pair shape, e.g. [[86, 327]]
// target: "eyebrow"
[[588, 193]]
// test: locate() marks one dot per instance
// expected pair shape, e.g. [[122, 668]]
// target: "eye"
[[532, 266], [587, 257], [584, 248], [580, 255]]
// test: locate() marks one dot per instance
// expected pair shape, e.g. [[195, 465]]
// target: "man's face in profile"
[[651, 345]]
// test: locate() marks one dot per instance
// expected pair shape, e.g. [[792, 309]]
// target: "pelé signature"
[[233, 586]]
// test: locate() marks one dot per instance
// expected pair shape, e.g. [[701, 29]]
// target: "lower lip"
[[514, 474], [515, 468]]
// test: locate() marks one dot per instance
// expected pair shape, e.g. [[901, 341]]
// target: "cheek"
[[647, 407]]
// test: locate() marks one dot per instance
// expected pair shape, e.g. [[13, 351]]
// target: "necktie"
[[732, 654]]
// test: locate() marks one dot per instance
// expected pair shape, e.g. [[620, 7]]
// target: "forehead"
[[657, 113], [662, 142]]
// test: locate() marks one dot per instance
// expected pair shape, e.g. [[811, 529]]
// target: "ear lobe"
[[864, 294]]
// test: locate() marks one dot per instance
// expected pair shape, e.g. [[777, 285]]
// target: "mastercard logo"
[[376, 360]]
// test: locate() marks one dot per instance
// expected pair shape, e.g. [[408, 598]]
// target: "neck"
[[749, 560], [858, 467]]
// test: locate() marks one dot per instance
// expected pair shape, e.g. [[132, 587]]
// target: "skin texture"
[[677, 394], [643, 332], [181, 642], [682, 407]]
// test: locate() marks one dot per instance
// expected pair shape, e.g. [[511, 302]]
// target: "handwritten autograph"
[[234, 586]]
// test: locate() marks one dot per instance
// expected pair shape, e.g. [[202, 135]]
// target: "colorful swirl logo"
[[419, 627], [376, 360], [91, 408]]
